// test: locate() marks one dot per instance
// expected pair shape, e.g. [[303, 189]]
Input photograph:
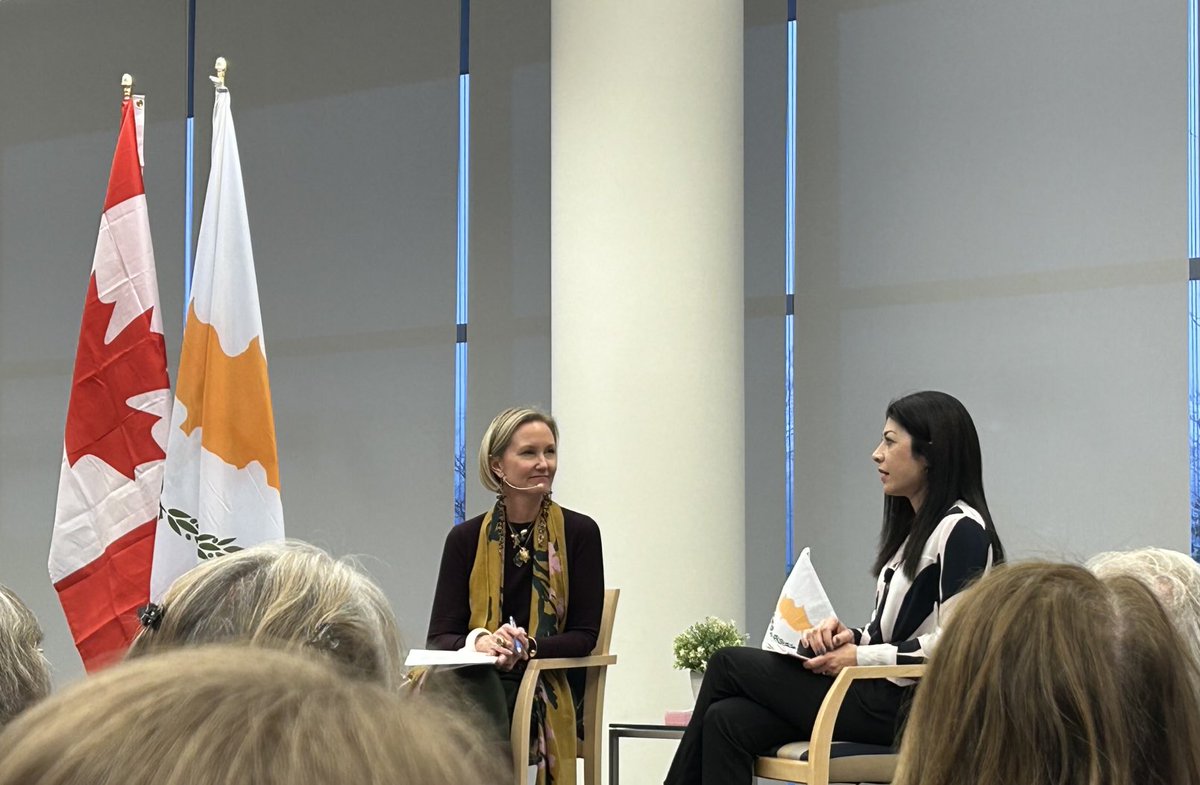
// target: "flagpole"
[[189, 158]]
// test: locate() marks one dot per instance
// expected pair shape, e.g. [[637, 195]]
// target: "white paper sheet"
[[447, 659]]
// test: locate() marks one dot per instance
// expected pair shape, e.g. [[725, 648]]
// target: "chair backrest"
[[607, 617], [593, 694]]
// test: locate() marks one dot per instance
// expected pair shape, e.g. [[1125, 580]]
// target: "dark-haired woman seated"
[[937, 537]]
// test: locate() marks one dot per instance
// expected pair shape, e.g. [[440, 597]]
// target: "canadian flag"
[[113, 456]]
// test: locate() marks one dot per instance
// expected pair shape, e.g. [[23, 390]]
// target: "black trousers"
[[493, 691], [753, 700]]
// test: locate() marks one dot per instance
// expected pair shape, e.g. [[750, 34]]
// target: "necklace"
[[519, 540]]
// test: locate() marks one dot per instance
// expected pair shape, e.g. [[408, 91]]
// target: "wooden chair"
[[596, 664], [821, 759]]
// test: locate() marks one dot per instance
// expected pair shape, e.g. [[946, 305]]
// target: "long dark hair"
[[944, 435]]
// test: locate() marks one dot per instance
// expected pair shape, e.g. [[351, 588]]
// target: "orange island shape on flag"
[[218, 391], [793, 614]]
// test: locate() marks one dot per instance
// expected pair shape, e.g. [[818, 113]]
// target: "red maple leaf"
[[107, 375]]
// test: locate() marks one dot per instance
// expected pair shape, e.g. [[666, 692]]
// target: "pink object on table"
[[678, 717]]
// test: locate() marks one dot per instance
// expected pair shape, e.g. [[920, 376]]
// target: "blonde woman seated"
[[523, 580], [1172, 576], [24, 672], [1047, 675], [285, 594], [217, 715]]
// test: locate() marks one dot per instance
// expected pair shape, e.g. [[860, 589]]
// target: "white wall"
[[992, 202], [765, 46]]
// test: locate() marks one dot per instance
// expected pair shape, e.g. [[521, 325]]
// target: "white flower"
[[694, 646]]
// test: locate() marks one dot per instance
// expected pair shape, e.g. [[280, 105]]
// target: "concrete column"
[[647, 324]]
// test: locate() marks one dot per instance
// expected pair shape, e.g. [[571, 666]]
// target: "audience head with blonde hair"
[[1172, 576], [220, 714], [284, 594], [24, 672], [1046, 674]]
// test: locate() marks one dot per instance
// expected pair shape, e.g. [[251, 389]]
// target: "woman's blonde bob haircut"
[[215, 715], [1047, 675], [282, 594], [499, 435], [24, 672]]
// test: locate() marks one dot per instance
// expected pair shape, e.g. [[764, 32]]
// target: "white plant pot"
[[697, 677]]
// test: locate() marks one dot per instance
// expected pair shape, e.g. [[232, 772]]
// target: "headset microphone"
[[519, 488]]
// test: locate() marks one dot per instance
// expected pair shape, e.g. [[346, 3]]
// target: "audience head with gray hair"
[[24, 672], [1172, 576], [283, 595]]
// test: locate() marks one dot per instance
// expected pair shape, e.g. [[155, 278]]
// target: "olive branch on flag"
[[186, 526]]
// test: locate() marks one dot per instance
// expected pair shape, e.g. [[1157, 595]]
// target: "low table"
[[623, 730]]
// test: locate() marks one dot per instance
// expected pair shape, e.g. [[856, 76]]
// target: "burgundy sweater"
[[585, 572]]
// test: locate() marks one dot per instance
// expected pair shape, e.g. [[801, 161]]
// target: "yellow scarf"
[[553, 743]]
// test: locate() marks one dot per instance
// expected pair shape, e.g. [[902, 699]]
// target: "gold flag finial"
[[221, 66], [127, 85]]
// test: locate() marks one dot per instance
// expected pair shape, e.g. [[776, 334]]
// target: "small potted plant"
[[698, 642]]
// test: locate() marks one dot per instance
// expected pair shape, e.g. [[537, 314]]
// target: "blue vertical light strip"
[[189, 157], [789, 415], [464, 190], [1194, 261]]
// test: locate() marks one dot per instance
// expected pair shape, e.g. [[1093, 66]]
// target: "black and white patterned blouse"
[[909, 614]]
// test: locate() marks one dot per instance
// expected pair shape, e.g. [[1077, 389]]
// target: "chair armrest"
[[856, 672], [519, 732], [822, 735], [558, 663]]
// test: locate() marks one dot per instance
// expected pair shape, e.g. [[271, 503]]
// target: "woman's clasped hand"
[[832, 644], [509, 645]]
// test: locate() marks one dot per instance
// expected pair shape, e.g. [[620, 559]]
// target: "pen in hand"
[[516, 643]]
